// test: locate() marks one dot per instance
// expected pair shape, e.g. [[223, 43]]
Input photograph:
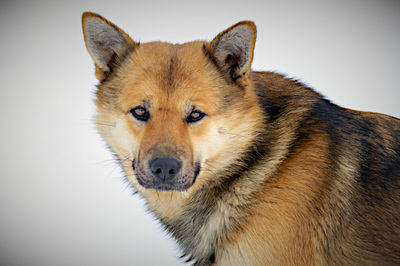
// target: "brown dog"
[[243, 167]]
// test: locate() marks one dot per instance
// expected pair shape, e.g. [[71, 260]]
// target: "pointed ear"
[[104, 41], [233, 49]]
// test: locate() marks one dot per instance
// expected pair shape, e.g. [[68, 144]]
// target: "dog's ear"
[[233, 49], [105, 42]]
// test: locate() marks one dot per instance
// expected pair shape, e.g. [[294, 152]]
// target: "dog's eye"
[[140, 113], [195, 116]]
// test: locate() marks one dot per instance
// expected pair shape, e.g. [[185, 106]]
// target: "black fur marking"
[[190, 259], [232, 61], [171, 70], [212, 258], [196, 172], [273, 108], [274, 111], [234, 78], [208, 54]]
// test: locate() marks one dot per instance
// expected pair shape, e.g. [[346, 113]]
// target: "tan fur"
[[286, 178]]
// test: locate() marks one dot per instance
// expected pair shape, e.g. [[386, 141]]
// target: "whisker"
[[124, 159], [104, 124], [221, 164], [115, 166], [106, 162], [233, 134], [98, 121]]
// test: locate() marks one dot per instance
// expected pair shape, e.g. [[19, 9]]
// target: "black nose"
[[165, 168]]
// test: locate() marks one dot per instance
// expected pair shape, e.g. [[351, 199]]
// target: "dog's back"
[[342, 167]]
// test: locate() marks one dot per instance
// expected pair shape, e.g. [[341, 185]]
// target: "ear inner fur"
[[104, 41], [233, 49]]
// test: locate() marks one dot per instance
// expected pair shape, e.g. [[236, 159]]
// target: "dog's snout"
[[165, 168]]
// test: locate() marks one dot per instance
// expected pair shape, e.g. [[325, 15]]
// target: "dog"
[[245, 167]]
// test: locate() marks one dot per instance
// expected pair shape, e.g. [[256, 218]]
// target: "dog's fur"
[[274, 174]]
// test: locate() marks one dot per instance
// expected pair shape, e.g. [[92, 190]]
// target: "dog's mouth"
[[179, 182]]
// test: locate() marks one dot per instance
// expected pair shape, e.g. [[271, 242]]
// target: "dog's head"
[[174, 114]]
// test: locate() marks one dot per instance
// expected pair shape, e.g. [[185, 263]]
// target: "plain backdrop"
[[62, 197]]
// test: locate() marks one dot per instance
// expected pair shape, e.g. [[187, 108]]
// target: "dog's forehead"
[[171, 64], [164, 70]]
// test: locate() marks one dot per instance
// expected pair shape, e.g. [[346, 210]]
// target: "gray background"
[[62, 198]]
